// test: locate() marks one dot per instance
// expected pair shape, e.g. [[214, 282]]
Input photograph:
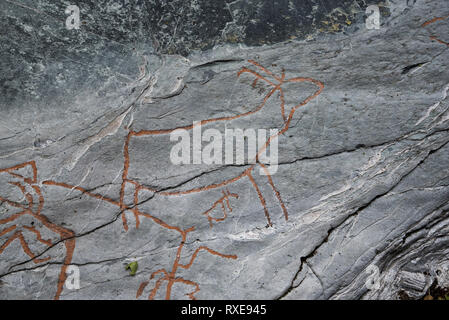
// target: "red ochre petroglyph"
[[170, 276], [66, 236], [225, 206], [429, 22]]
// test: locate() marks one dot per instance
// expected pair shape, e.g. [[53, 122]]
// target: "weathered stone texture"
[[86, 179]]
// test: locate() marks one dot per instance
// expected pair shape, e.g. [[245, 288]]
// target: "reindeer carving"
[[276, 84]]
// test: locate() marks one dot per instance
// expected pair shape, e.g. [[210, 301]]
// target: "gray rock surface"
[[86, 178]]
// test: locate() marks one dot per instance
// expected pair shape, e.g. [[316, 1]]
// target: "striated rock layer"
[[357, 209]]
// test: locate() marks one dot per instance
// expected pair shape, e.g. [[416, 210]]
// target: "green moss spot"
[[132, 268]]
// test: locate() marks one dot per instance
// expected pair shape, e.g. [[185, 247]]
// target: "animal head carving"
[[278, 84]]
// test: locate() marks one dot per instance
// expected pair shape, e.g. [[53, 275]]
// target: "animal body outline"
[[169, 276]]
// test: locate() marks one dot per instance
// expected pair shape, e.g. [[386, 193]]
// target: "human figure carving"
[[12, 227]]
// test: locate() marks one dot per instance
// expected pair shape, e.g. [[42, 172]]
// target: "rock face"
[[358, 207]]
